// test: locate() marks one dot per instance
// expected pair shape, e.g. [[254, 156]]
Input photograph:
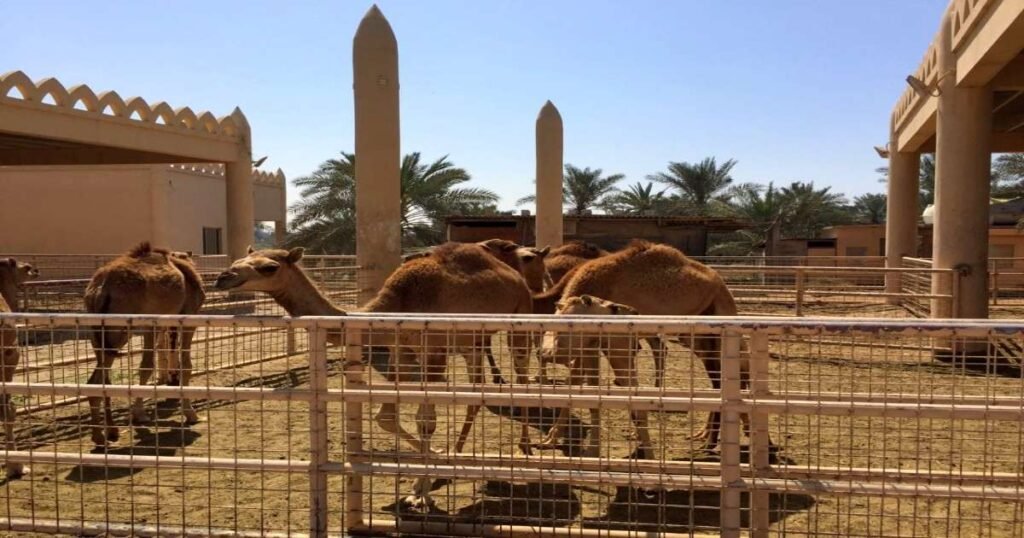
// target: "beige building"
[[101, 208], [964, 102], [63, 209]]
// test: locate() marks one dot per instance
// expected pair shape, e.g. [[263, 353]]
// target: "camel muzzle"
[[227, 280]]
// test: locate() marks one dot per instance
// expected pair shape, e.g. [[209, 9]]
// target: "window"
[[856, 251], [211, 241]]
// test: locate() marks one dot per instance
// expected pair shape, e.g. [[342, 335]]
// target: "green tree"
[[583, 189], [701, 187], [758, 205], [870, 208], [638, 199], [807, 210], [325, 216]]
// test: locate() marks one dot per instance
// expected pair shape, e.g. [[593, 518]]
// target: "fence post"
[[760, 443], [799, 291], [730, 509], [318, 455], [353, 427], [995, 283]]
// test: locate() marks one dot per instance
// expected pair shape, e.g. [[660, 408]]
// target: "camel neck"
[[9, 291], [300, 297]]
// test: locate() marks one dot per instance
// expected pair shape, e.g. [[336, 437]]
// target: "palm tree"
[[638, 199], [325, 216], [429, 194], [808, 210], [870, 208], [760, 206], [582, 189], [701, 186]]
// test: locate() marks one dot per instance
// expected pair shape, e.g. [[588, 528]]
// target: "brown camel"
[[12, 276], [561, 260], [655, 280], [455, 278], [534, 268], [145, 280]]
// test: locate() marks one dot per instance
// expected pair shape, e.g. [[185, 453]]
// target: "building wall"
[[858, 240], [96, 209], [266, 201], [107, 209], [195, 201]]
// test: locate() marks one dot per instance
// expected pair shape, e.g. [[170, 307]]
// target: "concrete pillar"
[[281, 226], [378, 158], [238, 179], [962, 167], [159, 194], [549, 176], [901, 213]]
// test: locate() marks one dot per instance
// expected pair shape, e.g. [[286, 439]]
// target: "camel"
[[563, 259], [528, 261], [655, 280], [12, 276], [145, 280], [455, 278], [581, 353]]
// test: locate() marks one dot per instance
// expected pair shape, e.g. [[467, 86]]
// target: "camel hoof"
[[113, 434], [141, 419], [525, 448], [16, 470], [418, 503], [191, 417], [545, 445]]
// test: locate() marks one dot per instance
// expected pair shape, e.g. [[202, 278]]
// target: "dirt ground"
[[269, 501]]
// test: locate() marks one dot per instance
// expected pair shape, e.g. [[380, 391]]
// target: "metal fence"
[[828, 427]]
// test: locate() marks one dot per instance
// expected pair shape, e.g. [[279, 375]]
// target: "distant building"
[[688, 234]]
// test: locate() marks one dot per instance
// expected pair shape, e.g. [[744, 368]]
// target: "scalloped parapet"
[[927, 72], [49, 92], [965, 16], [259, 177]]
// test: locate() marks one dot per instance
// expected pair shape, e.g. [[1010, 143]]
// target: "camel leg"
[[624, 366], [402, 369], [9, 412], [182, 369], [579, 371], [106, 343], [426, 425], [658, 351], [707, 349], [164, 359], [521, 351], [476, 377], [139, 414], [593, 377]]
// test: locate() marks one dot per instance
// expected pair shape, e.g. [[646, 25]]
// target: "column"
[[238, 179], [549, 176], [378, 158], [901, 213], [962, 167]]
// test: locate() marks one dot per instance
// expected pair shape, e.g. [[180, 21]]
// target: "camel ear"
[[587, 300], [251, 249], [544, 251], [295, 254], [527, 256], [189, 252]]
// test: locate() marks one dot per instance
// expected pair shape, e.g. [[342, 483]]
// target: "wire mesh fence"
[[612, 425]]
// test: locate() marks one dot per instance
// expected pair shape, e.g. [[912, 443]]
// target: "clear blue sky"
[[794, 90]]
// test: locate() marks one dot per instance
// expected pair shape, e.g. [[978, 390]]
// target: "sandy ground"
[[278, 501]]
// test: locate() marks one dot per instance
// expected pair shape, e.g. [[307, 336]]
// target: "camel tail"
[[97, 301]]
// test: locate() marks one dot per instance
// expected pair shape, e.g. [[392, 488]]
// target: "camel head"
[[559, 347], [19, 273], [532, 262], [260, 270]]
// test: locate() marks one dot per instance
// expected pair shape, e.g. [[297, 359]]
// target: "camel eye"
[[267, 269]]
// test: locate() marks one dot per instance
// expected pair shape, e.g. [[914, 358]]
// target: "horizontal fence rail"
[[587, 426]]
